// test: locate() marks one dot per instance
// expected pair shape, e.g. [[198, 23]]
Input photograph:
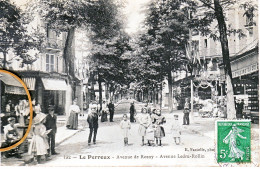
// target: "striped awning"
[[54, 84], [29, 82], [9, 80]]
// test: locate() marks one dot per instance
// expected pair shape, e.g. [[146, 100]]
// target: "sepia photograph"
[[129, 83]]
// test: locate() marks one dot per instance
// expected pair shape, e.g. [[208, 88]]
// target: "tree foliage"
[[15, 35]]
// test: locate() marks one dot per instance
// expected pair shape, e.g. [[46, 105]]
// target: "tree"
[[216, 11], [167, 29], [109, 44], [15, 36], [65, 16]]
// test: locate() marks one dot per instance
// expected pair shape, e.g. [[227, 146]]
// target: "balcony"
[[53, 44]]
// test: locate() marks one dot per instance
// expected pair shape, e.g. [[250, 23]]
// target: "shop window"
[[49, 63]]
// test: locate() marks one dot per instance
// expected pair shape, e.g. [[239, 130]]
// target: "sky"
[[132, 10]]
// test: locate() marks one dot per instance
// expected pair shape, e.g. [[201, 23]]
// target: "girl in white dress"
[[176, 130]]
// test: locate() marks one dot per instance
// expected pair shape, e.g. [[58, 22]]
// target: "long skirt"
[[72, 122], [103, 116], [38, 146]]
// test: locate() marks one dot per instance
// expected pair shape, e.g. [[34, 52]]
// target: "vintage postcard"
[[129, 83]]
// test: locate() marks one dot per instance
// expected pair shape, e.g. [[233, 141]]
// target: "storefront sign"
[[15, 90]]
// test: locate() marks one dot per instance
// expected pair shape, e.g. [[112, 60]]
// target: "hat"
[[11, 119], [51, 107], [39, 118], [92, 107]]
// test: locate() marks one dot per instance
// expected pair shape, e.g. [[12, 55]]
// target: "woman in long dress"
[[74, 110], [20, 112], [104, 112], [144, 121], [231, 139]]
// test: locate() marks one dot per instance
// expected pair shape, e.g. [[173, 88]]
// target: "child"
[[150, 134], [39, 145], [176, 130], [159, 133], [125, 126]]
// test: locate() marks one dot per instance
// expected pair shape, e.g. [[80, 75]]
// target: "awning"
[[30, 83], [9, 80], [54, 84]]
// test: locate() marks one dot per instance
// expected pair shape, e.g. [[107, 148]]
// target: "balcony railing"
[[52, 43]]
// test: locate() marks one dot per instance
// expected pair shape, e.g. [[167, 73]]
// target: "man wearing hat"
[[93, 124], [51, 123]]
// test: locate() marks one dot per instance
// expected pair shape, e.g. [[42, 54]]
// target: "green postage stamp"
[[233, 141]]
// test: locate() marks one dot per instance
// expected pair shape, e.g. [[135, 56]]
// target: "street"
[[197, 147], [76, 152]]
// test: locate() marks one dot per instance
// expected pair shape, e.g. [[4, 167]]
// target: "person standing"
[[186, 111], [51, 124], [159, 132], [74, 110], [125, 126], [132, 113], [145, 121], [111, 108], [176, 130], [93, 124], [240, 107], [39, 145], [104, 112]]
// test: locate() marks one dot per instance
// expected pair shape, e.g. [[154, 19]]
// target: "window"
[[205, 43], [49, 63]]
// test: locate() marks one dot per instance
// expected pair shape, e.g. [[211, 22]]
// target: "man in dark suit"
[[93, 124], [111, 108], [51, 123]]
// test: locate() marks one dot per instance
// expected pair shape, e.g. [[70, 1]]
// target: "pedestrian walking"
[[176, 130], [125, 125], [111, 108], [145, 121], [93, 124], [51, 124], [186, 111], [132, 113], [159, 133], [74, 110], [39, 146]]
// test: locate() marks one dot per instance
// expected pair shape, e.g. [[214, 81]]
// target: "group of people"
[[44, 129], [74, 111], [19, 111], [150, 126]]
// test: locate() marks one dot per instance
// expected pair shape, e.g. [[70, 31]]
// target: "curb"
[[63, 140]]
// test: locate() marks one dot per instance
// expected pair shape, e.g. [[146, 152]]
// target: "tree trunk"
[[100, 90], [68, 53], [170, 90], [231, 112]]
